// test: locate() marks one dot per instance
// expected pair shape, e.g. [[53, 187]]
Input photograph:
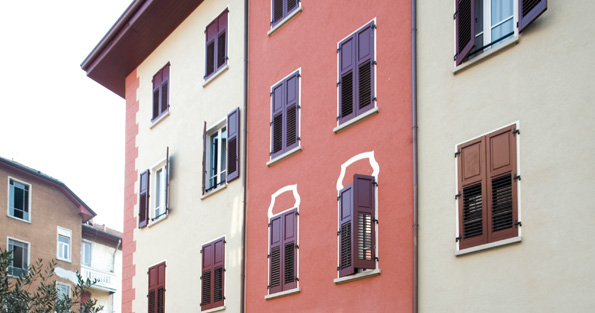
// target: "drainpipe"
[[414, 148], [114, 268], [244, 161]]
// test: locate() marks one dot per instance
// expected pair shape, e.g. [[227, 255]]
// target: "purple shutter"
[[530, 10], [277, 142], [291, 112], [143, 201], [364, 220], [207, 277], [233, 145], [275, 255], [364, 81], [222, 40], [211, 35], [346, 234], [218, 272], [204, 158], [157, 80], [465, 22], [289, 249], [165, 89], [167, 180], [277, 11], [346, 79]]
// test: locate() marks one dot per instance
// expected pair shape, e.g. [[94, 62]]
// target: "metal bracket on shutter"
[[268, 256], [374, 26], [376, 259], [298, 138], [374, 62], [458, 238], [338, 83], [296, 212], [457, 153], [338, 198], [271, 93], [338, 233], [338, 268], [455, 58], [375, 183], [454, 16], [458, 195], [299, 75], [200, 277], [376, 220], [374, 99], [200, 250], [297, 246], [297, 279], [516, 131], [338, 117], [518, 223], [517, 177], [338, 49]]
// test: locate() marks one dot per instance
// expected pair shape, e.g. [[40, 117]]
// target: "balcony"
[[106, 281]]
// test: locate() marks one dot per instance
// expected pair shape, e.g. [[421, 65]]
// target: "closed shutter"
[[204, 158], [143, 199], [530, 10], [277, 106], [365, 69], [346, 234], [275, 256], [278, 11], [157, 80], [222, 40], [291, 112], [465, 23], [283, 252], [218, 273], [211, 34], [165, 89], [207, 277], [156, 296], [347, 79], [233, 145], [364, 218]]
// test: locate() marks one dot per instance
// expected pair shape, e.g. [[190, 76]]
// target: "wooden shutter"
[[346, 234], [289, 249], [222, 40], [167, 180], [143, 199], [204, 158], [465, 23], [275, 256], [530, 10], [347, 92], [218, 273], [207, 277], [364, 222], [233, 145], [291, 112], [157, 80], [364, 81], [211, 35], [278, 11], [156, 294], [277, 106], [165, 89]]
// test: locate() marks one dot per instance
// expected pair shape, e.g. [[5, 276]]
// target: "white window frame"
[[157, 208], [11, 196], [8, 240], [487, 22], [60, 291], [219, 128], [83, 243], [67, 233]]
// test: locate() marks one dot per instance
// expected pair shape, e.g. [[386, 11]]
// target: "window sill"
[[214, 191], [159, 119], [217, 309], [488, 246], [153, 222], [488, 54], [358, 276], [215, 75], [282, 293], [285, 20], [284, 155], [356, 120], [20, 219], [63, 260]]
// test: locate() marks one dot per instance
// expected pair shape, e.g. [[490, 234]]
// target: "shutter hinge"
[[518, 223], [374, 26], [454, 16], [375, 183], [374, 99], [268, 286], [297, 279], [271, 23], [271, 93], [299, 106], [225, 270], [455, 58], [200, 250], [298, 138], [517, 177], [338, 233], [297, 246], [338, 117], [224, 241], [376, 259], [457, 153], [299, 75], [268, 256], [458, 195], [296, 212], [338, 198], [269, 225], [458, 238], [516, 131], [376, 220], [374, 62], [201, 277], [338, 268], [338, 83], [338, 49]]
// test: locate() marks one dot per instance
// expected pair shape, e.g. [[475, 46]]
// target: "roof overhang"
[[134, 36]]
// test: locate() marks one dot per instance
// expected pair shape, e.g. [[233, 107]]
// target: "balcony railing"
[[105, 280]]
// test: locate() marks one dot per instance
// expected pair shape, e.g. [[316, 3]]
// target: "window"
[[160, 93], [19, 200], [356, 73], [283, 251], [221, 161], [64, 239], [63, 290], [213, 274], [216, 45], [282, 9], [157, 288], [285, 108], [483, 24], [86, 249], [150, 212], [357, 229], [487, 184], [19, 258]]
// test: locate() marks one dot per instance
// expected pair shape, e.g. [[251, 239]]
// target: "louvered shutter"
[[364, 220], [278, 11], [222, 40], [472, 190], [347, 91], [277, 129], [346, 233], [276, 256], [156, 296], [233, 145], [207, 277], [218, 273], [143, 199], [211, 35], [530, 10], [204, 158], [165, 89], [465, 23], [167, 180], [157, 80], [364, 82], [501, 184], [289, 249], [291, 112]]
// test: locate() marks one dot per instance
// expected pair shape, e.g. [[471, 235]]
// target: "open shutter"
[[365, 69], [291, 112], [465, 22], [204, 158], [346, 234], [501, 184], [167, 180], [530, 10], [277, 106], [233, 145], [289, 249], [364, 218], [143, 199], [347, 91], [218, 273], [222, 40], [207, 277]]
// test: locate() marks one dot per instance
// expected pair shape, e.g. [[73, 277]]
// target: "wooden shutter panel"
[[143, 199], [207, 276], [167, 180], [218, 273], [277, 106], [222, 40], [277, 10], [291, 112], [204, 158], [275, 256], [529, 11], [165, 89], [156, 295], [347, 79], [157, 80], [233, 145], [364, 222], [365, 69], [346, 234], [211, 35], [289, 249], [465, 23]]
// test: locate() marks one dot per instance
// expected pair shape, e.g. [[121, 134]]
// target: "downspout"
[[414, 148], [244, 161], [114, 270]]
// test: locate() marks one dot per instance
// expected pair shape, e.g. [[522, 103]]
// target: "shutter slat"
[[472, 211], [529, 11], [210, 58], [346, 242], [143, 203], [233, 145], [363, 213], [465, 23], [289, 251], [277, 10]]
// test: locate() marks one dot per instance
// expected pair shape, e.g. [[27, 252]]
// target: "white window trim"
[[66, 233], [8, 239], [283, 293], [153, 218], [8, 200], [84, 241], [498, 243], [64, 285], [297, 254], [286, 19], [216, 74], [216, 128]]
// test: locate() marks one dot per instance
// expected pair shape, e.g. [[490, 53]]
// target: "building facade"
[[329, 150], [180, 67], [506, 171]]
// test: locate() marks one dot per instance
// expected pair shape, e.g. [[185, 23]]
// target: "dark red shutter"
[[143, 199], [204, 158], [347, 59], [207, 276], [222, 40], [165, 89], [233, 145], [275, 256], [530, 10], [157, 80], [346, 234], [289, 249], [156, 295], [465, 22], [167, 180], [218, 273], [291, 111], [364, 220], [364, 81], [277, 142]]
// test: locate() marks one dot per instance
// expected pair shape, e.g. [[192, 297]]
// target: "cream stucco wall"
[[192, 221], [545, 82], [104, 260]]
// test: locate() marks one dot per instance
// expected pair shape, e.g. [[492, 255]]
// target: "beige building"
[[506, 173], [180, 67]]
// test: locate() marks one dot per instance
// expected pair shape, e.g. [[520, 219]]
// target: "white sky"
[[54, 118]]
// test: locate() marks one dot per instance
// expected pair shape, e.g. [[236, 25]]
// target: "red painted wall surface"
[[309, 41]]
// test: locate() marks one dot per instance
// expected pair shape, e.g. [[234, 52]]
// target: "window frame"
[[284, 85], [284, 288], [147, 205], [156, 286], [159, 173], [218, 29], [211, 266], [161, 83], [66, 233], [28, 256], [90, 249], [219, 128], [11, 197], [286, 17], [61, 293]]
